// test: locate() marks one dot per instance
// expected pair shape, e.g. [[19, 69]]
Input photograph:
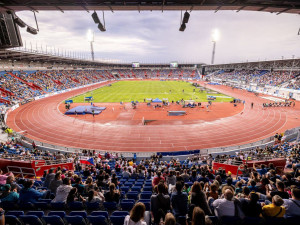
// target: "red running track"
[[43, 121]]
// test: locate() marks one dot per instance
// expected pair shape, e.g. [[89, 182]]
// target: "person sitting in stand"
[[275, 209]]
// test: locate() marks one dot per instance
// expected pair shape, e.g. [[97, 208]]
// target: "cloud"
[[154, 36]]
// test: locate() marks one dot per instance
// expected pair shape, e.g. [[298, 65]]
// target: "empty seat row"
[[60, 218]]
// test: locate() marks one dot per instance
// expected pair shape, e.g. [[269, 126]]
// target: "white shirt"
[[128, 221], [62, 193], [223, 207]]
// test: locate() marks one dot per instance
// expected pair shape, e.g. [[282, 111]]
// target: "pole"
[[92, 51], [213, 53]]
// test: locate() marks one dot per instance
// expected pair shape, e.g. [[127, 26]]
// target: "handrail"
[[20, 171]]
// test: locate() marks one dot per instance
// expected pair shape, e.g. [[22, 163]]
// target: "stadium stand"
[[116, 190], [23, 86], [288, 79]]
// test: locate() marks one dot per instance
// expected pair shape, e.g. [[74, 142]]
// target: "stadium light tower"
[[215, 38], [90, 37]]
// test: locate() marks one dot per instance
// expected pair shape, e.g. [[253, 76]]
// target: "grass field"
[[128, 91]]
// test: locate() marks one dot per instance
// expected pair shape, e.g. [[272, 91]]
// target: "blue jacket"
[[29, 195], [179, 203]]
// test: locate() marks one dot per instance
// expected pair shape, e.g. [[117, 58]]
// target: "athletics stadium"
[[132, 118]]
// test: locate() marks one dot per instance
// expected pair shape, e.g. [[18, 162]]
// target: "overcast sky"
[[154, 37]]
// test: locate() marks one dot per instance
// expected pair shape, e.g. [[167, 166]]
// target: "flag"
[[87, 162]]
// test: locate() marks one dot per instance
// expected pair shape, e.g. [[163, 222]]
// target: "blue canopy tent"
[[157, 100]]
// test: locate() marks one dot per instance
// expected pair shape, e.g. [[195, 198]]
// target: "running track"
[[43, 121]]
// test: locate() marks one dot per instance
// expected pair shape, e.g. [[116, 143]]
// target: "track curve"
[[43, 121]]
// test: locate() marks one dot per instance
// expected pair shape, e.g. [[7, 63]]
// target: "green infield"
[[128, 91]]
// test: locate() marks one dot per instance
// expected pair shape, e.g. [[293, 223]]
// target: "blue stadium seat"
[[61, 214], [146, 202], [15, 213], [129, 184], [100, 213], [58, 205], [97, 220], [125, 188], [41, 205], [26, 206], [214, 220], [127, 206], [45, 200], [181, 220], [75, 220], [132, 195], [110, 205], [92, 206], [83, 214], [36, 213], [147, 188], [12, 220], [31, 220], [275, 220], [146, 194], [140, 180], [76, 205], [230, 220], [9, 206], [139, 183], [136, 188], [120, 213], [53, 220], [293, 220], [131, 180], [117, 220]]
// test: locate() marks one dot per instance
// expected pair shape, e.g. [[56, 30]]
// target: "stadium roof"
[[37, 56], [272, 6]]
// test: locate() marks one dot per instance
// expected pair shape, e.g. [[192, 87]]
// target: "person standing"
[[93, 112], [179, 201], [252, 104]]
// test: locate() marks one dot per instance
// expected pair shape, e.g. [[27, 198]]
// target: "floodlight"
[[186, 17], [90, 35], [215, 35], [31, 30], [20, 22], [101, 27], [95, 17], [182, 27]]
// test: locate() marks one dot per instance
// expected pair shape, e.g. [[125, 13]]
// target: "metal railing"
[[21, 171]]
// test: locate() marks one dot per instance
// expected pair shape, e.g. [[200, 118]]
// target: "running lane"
[[43, 121]]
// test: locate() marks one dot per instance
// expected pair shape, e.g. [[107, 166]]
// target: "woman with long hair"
[[136, 216], [113, 195], [198, 198], [199, 218]]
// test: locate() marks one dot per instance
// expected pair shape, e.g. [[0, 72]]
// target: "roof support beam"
[[287, 9]]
